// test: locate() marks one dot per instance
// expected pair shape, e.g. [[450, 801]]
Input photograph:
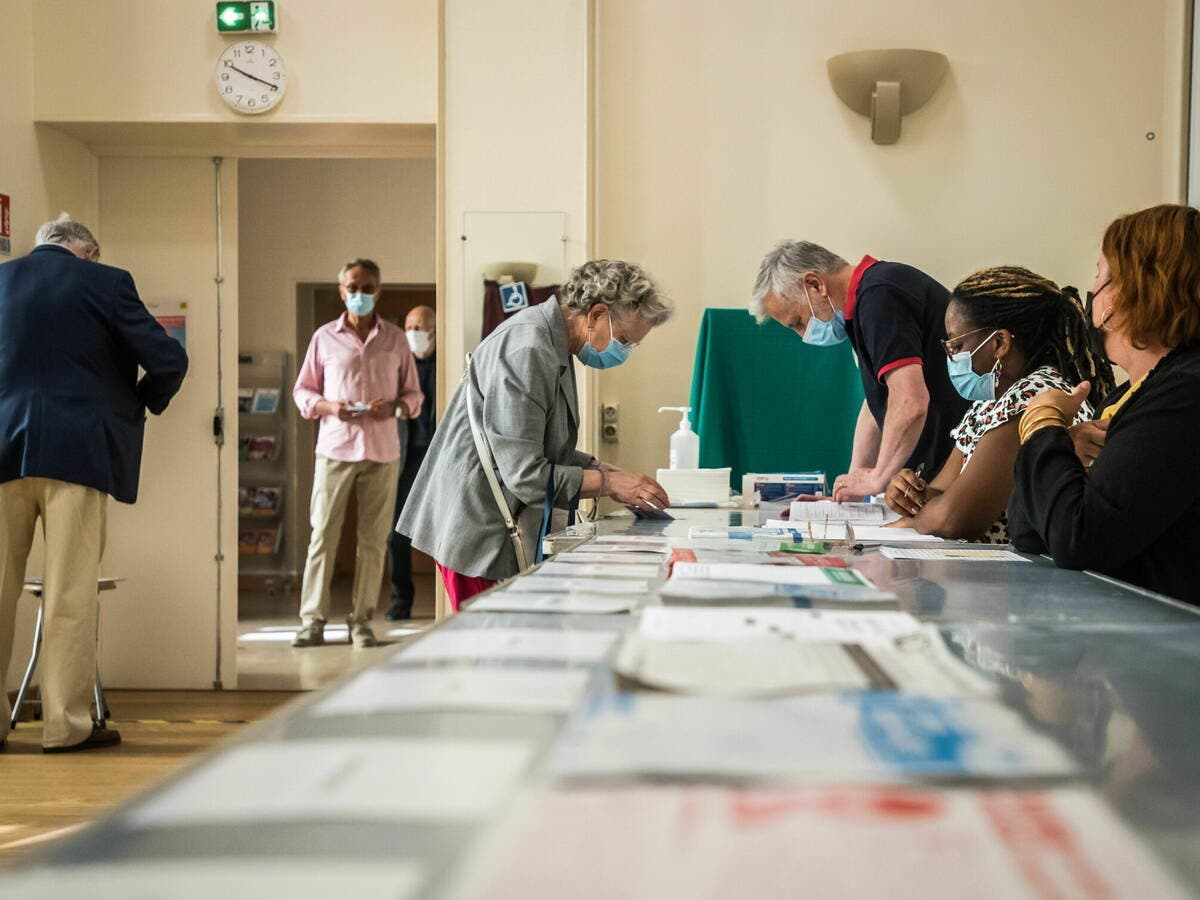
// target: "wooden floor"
[[45, 797]]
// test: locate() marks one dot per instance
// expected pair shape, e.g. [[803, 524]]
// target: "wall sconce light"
[[886, 84]]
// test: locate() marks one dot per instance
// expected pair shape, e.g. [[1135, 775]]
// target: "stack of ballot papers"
[[832, 511], [568, 603], [863, 534], [546, 584], [710, 842], [844, 737], [807, 576], [750, 652], [557, 569], [695, 487], [752, 556]]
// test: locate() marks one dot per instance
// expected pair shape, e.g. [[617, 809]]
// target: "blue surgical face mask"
[[824, 334], [968, 383], [359, 304], [612, 355]]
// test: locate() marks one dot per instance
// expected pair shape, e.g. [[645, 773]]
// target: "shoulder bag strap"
[[489, 472]]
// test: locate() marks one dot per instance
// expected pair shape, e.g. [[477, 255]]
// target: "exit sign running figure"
[[242, 16]]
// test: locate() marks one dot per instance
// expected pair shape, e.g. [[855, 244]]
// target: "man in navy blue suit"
[[72, 410]]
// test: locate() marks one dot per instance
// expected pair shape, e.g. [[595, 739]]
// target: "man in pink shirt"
[[358, 377]]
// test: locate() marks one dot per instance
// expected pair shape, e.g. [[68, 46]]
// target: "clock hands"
[[230, 65]]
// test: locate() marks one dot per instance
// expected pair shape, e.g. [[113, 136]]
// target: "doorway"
[[299, 221]]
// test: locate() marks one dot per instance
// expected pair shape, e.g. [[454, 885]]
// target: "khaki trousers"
[[374, 483], [73, 523]]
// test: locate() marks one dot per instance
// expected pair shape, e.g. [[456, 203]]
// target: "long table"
[[1111, 672]]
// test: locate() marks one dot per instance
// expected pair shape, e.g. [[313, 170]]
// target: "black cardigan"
[[1135, 515]]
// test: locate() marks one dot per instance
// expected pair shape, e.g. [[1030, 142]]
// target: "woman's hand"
[[1088, 438], [632, 489], [1067, 404], [907, 493]]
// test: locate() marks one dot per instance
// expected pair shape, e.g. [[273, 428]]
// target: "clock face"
[[251, 77]]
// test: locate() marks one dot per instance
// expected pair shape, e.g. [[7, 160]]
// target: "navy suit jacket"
[[72, 335]]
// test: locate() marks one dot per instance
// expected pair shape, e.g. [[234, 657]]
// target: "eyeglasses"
[[954, 345]]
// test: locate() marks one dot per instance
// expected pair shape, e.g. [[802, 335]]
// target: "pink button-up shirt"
[[339, 366]]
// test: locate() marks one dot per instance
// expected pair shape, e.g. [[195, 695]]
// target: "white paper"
[[649, 540], [760, 668], [712, 843], [875, 534], [487, 689], [764, 651], [791, 575], [832, 511], [270, 878], [676, 623], [545, 644], [547, 585], [823, 737], [627, 552], [596, 570], [616, 557], [949, 553], [509, 601], [359, 779]]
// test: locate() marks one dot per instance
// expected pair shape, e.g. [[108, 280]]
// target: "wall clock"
[[251, 77]]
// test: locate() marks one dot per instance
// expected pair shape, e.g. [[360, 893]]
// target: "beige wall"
[[515, 130], [45, 172], [718, 134], [153, 61], [299, 221], [159, 629]]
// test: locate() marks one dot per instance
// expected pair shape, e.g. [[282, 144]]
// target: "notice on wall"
[[5, 224], [172, 316]]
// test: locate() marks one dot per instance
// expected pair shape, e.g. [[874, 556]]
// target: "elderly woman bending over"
[[517, 408]]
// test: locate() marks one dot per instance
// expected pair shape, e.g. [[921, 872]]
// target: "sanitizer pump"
[[685, 443]]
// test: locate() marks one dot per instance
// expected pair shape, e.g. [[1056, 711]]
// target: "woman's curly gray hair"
[[623, 287]]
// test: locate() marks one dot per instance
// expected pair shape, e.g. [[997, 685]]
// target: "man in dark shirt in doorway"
[[894, 317], [419, 327]]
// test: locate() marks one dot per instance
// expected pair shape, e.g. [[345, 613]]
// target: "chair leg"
[[102, 712], [30, 669]]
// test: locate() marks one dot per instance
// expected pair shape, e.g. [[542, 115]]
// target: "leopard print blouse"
[[984, 415]]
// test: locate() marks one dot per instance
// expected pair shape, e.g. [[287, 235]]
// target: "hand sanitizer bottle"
[[685, 443]]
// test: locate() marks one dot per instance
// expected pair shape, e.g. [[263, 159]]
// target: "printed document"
[[545, 644], [849, 737], [950, 553], [648, 842], [364, 779], [388, 690], [515, 602]]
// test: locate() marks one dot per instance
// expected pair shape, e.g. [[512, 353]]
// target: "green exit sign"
[[243, 16]]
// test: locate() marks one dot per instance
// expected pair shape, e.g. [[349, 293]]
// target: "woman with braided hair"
[[1012, 335]]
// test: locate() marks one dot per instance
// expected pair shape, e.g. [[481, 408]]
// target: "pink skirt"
[[461, 587]]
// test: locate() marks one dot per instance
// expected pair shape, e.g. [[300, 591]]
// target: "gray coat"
[[521, 384]]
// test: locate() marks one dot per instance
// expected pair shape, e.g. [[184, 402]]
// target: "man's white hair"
[[784, 266], [66, 231]]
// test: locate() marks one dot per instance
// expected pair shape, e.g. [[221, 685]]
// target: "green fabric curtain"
[[764, 401]]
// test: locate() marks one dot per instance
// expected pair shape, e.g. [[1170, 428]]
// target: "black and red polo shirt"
[[896, 317]]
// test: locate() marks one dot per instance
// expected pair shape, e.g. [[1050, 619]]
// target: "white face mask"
[[419, 341]]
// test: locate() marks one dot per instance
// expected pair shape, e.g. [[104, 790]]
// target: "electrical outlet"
[[610, 432]]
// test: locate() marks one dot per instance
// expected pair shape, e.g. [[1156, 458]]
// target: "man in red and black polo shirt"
[[894, 317]]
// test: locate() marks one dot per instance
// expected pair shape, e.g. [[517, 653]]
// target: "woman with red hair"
[[1121, 495]]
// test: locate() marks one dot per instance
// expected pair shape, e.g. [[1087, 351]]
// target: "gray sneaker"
[[311, 635], [361, 635]]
